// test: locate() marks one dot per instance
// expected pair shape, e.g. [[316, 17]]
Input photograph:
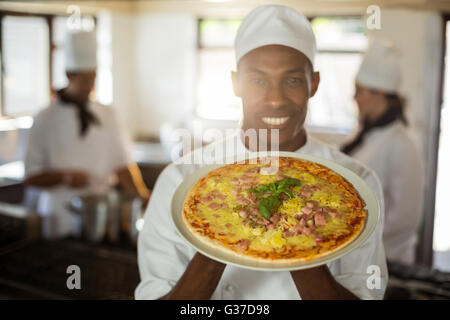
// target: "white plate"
[[359, 184]]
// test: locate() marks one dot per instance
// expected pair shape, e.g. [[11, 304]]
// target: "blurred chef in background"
[[77, 146], [383, 144]]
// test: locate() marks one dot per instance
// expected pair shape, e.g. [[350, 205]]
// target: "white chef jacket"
[[392, 154], [163, 255], [55, 144]]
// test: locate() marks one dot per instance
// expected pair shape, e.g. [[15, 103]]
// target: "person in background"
[[76, 146], [383, 144], [275, 78]]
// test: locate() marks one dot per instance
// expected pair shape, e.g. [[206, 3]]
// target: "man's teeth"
[[274, 121]]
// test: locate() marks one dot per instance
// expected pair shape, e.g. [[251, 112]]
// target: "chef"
[[76, 146], [382, 143], [275, 49]]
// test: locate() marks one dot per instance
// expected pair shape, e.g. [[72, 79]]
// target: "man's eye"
[[294, 81], [257, 81]]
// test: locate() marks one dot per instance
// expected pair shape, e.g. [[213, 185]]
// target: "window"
[[26, 76], [215, 98], [340, 42], [28, 80]]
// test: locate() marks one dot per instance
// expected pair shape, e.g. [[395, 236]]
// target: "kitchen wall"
[[164, 69], [153, 66], [121, 27]]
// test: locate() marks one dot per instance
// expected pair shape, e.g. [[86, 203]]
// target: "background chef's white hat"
[[81, 51], [380, 68], [275, 24]]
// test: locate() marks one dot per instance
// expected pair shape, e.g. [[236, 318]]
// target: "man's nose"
[[275, 97]]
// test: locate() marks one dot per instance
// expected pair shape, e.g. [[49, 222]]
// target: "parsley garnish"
[[270, 204]]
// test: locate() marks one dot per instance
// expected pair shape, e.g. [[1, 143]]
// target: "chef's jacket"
[[163, 255], [55, 144], [392, 154]]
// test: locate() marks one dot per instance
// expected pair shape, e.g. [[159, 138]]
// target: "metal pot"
[[131, 217], [100, 216], [107, 216]]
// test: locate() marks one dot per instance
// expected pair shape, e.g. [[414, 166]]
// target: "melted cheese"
[[334, 226], [327, 197], [269, 240]]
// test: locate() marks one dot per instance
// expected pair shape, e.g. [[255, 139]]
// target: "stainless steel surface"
[[107, 216], [136, 214], [113, 221], [93, 210], [131, 212]]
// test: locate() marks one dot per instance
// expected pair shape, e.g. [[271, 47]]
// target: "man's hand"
[[70, 178], [199, 281], [131, 182], [318, 284], [75, 179]]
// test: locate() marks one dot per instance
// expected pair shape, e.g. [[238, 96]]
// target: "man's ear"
[[69, 75], [235, 83], [315, 80]]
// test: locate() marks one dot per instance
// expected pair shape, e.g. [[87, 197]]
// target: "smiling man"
[[275, 83], [275, 79]]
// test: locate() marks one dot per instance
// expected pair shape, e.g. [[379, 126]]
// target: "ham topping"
[[244, 243], [275, 218], [217, 206], [270, 226], [334, 213], [312, 204], [319, 219], [306, 210], [306, 194], [243, 214]]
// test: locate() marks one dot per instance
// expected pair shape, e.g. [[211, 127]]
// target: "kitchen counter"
[[38, 270], [151, 158]]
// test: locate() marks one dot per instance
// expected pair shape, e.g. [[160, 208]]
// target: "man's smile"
[[276, 122]]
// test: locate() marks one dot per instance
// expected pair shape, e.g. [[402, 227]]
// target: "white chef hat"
[[275, 24], [81, 51], [380, 68]]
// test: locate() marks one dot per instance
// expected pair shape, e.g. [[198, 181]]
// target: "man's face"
[[275, 83], [370, 102], [81, 83]]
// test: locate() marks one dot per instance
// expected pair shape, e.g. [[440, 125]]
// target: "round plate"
[[359, 184]]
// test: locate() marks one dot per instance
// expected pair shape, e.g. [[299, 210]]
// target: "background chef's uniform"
[[55, 143], [391, 153]]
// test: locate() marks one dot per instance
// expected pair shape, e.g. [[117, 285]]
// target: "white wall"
[[164, 69], [124, 81], [418, 36], [153, 65]]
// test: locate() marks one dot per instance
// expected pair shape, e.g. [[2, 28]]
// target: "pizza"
[[291, 211]]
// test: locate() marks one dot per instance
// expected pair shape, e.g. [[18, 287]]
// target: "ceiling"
[[224, 8]]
